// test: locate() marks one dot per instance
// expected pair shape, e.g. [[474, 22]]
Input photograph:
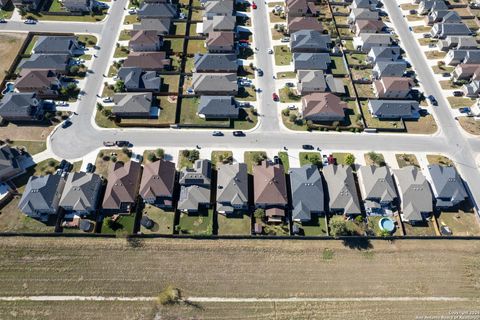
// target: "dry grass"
[[119, 267], [470, 125], [439, 159], [102, 166], [10, 44]]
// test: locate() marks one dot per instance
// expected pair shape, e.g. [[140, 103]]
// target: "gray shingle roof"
[[415, 194], [217, 62], [393, 108], [215, 82], [310, 40], [384, 53], [81, 192], [159, 25], [191, 197], [311, 61], [307, 192], [55, 45], [45, 61], [157, 10], [9, 165], [447, 186], [377, 184], [19, 105], [200, 174], [132, 103], [390, 68], [341, 189], [232, 186], [42, 194], [219, 23], [135, 78], [218, 107]]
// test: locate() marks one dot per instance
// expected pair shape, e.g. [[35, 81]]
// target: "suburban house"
[[310, 41], [367, 41], [122, 187], [161, 26], [415, 195], [157, 10], [135, 79], [304, 23], [378, 53], [217, 23], [311, 61], [16, 106], [362, 14], [368, 26], [81, 193], [443, 16], [447, 186], [218, 8], [232, 188], [44, 83], [158, 183], [393, 87], [307, 193], [57, 63], [342, 191], [472, 89], [457, 42], [133, 105], [377, 189], [466, 72], [300, 8], [215, 83], [389, 69], [218, 107], [145, 40], [41, 196], [195, 187], [443, 30], [310, 81], [64, 45], [78, 5], [220, 41], [394, 109], [466, 56], [148, 61], [425, 6], [323, 107], [270, 190], [215, 63], [9, 163]]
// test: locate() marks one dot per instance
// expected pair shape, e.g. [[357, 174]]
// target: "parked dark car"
[[457, 93], [259, 72], [238, 133], [464, 110], [276, 160], [432, 100], [90, 167], [122, 143], [67, 123], [307, 147]]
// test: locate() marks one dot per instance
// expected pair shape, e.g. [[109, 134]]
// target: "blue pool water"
[[386, 224], [8, 87]]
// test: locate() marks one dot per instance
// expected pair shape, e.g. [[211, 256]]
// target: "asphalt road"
[[53, 26], [83, 136]]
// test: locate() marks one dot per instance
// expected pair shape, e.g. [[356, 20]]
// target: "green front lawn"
[[310, 158], [284, 160], [288, 95], [283, 56], [249, 157], [219, 157], [459, 102]]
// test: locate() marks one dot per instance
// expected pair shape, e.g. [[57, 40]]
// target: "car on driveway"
[[217, 133], [67, 123], [432, 100], [307, 147], [275, 96], [108, 143], [107, 100], [238, 134], [90, 168], [285, 39], [457, 93], [465, 110]]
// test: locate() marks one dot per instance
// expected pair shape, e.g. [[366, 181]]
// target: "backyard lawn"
[[240, 225], [424, 229], [163, 220], [315, 227], [196, 224], [123, 224], [460, 223]]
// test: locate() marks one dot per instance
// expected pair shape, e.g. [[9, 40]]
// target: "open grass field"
[[121, 267], [10, 44]]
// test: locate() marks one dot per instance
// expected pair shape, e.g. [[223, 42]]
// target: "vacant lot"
[[118, 267], [10, 44]]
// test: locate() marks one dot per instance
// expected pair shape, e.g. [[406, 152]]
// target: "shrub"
[[168, 296], [151, 157], [349, 159], [259, 213], [160, 153], [338, 228], [51, 163]]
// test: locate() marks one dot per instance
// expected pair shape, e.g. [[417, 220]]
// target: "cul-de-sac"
[[239, 159]]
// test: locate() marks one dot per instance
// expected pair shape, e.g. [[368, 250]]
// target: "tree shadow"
[[135, 243], [358, 243]]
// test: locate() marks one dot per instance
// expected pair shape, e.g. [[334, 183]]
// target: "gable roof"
[[136, 78], [81, 191], [45, 61], [384, 53], [311, 61], [218, 7], [192, 196], [309, 40], [447, 186], [384, 108], [55, 44], [304, 23], [326, 104], [123, 183], [220, 38], [218, 106], [129, 102], [415, 192], [219, 23], [215, 61], [161, 25], [341, 189], [158, 179], [377, 183], [232, 184], [269, 184], [147, 60], [140, 37], [199, 174], [157, 10], [41, 194], [390, 68], [307, 192], [376, 25], [9, 165], [15, 104], [36, 79], [220, 82]]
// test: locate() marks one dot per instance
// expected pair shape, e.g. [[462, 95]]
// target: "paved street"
[[84, 137]]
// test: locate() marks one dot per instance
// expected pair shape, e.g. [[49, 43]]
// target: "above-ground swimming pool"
[[386, 224]]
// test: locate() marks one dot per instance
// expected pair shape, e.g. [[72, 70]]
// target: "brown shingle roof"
[[122, 186], [220, 38], [35, 79], [377, 25], [147, 60], [323, 103], [304, 23], [393, 83], [269, 184], [145, 37], [158, 179]]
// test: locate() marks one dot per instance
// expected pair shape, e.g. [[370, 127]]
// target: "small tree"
[[292, 117], [169, 295], [257, 158], [151, 157], [338, 228], [99, 106], [349, 159], [259, 213], [119, 86], [314, 159], [160, 153], [51, 163]]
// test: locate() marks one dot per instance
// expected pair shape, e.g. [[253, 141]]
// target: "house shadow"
[[358, 243]]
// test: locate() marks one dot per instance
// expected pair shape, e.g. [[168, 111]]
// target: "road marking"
[[251, 299]]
